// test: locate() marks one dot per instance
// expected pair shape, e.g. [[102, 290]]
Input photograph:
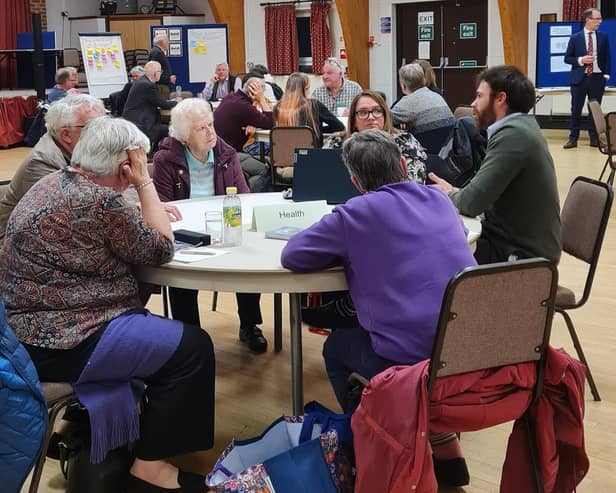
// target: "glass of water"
[[213, 226]]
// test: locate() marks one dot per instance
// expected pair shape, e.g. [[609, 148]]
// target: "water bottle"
[[232, 218], [178, 90]]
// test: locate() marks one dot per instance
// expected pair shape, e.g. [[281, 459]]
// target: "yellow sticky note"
[[201, 43], [97, 50], [99, 65], [114, 48], [89, 49], [204, 51], [196, 50], [117, 64]]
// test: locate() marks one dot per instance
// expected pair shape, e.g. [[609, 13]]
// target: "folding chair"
[[496, 315], [607, 142], [283, 142], [583, 219], [610, 131]]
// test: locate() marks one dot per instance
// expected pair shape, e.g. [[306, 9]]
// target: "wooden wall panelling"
[[354, 19], [143, 40], [127, 33], [514, 25], [231, 12]]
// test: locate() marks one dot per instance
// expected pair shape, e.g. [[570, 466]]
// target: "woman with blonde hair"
[[429, 75], [295, 108]]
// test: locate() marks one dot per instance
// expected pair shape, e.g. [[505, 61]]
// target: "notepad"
[[282, 233]]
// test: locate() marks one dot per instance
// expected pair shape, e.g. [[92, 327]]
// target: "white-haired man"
[[66, 80], [221, 83], [336, 91], [157, 54], [64, 120]]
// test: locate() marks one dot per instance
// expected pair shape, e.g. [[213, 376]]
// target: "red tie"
[[589, 67]]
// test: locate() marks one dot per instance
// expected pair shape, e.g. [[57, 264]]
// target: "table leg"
[[277, 322], [297, 382]]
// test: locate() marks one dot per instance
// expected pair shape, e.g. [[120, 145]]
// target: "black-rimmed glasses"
[[364, 114]]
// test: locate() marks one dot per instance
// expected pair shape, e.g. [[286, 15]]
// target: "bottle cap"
[[231, 190]]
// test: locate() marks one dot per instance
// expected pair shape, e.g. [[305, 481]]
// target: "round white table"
[[253, 267]]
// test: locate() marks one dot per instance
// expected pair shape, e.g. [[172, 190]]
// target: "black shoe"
[[189, 483], [570, 144], [327, 316], [594, 142], [451, 472], [253, 337]]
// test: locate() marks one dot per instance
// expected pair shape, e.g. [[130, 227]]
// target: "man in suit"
[[157, 54], [588, 53], [143, 103]]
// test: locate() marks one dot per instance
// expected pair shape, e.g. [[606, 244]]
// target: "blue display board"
[[194, 51], [552, 39]]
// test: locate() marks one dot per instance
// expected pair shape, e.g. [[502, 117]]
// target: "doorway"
[[452, 35]]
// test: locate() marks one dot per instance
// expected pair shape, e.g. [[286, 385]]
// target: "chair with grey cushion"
[[58, 396], [584, 219], [283, 142], [606, 137], [496, 315]]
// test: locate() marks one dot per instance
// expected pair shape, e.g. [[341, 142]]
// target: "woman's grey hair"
[[63, 74], [64, 112], [137, 69], [373, 158], [183, 114], [103, 145], [411, 77]]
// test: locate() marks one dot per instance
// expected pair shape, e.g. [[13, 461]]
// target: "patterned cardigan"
[[410, 148], [66, 266]]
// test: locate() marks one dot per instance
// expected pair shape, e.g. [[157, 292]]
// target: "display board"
[[194, 51], [552, 40], [103, 61]]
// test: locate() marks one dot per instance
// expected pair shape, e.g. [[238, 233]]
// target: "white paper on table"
[[190, 255], [423, 50]]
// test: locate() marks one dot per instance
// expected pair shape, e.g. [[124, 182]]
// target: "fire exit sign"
[[468, 30], [425, 33]]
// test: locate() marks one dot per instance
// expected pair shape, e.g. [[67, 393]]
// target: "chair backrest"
[[610, 132], [495, 315], [598, 118], [141, 57], [462, 111], [70, 57], [284, 141], [583, 219]]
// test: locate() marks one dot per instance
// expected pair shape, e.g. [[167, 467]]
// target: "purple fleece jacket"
[[399, 246]]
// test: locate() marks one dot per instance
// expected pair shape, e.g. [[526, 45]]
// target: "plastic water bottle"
[[178, 90], [232, 218]]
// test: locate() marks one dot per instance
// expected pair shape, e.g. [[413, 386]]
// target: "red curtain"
[[16, 18], [12, 114], [573, 9], [282, 46], [320, 39]]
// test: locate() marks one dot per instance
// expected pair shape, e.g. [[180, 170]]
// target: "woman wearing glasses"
[[368, 111], [295, 108]]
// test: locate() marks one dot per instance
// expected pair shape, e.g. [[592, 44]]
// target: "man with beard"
[[515, 187]]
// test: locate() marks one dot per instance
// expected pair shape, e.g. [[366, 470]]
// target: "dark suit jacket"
[[157, 55], [142, 105], [577, 48]]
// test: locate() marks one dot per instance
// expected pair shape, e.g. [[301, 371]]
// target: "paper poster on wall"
[[558, 45], [206, 48], [423, 50], [103, 60], [557, 64], [175, 34], [175, 49], [561, 30]]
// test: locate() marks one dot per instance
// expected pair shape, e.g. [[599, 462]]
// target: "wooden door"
[[452, 35]]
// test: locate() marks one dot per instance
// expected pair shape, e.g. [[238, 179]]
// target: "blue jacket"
[[577, 48], [23, 411]]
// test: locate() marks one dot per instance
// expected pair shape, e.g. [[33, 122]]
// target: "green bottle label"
[[232, 216]]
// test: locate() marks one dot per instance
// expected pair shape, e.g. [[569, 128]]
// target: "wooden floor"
[[253, 390]]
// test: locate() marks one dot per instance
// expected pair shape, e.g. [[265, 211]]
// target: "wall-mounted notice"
[[385, 23], [206, 48], [558, 45], [425, 18], [425, 33], [423, 50]]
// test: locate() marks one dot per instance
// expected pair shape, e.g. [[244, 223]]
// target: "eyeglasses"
[[74, 126], [596, 18], [364, 114]]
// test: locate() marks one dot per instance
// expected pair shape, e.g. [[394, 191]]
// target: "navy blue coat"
[[23, 411], [577, 48]]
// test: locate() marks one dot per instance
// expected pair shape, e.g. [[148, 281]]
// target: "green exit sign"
[[425, 33], [468, 30], [468, 63]]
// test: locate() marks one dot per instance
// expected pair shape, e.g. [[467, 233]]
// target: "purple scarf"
[[133, 346]]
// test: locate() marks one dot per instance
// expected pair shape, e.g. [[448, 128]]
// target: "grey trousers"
[[256, 172]]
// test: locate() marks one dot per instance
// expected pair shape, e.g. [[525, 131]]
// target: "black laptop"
[[320, 174]]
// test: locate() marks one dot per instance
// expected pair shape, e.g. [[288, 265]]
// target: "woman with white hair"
[[193, 162], [66, 276]]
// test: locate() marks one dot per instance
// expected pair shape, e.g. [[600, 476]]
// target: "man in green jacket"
[[515, 187]]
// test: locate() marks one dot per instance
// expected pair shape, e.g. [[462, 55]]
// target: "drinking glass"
[[213, 226]]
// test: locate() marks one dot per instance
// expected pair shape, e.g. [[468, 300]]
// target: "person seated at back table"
[[66, 276], [221, 83], [297, 109], [336, 92], [119, 98], [66, 82], [399, 244], [193, 162], [422, 111], [143, 104]]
